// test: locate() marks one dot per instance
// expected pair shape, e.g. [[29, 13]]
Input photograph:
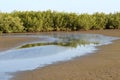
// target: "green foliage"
[[100, 21], [113, 21], [32, 21], [10, 24], [85, 21], [1, 32]]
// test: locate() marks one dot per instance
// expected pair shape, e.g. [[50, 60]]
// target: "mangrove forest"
[[44, 21]]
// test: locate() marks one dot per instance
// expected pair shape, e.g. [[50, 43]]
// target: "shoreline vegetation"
[[46, 21]]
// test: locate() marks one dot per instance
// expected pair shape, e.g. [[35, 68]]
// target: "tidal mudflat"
[[53, 48]]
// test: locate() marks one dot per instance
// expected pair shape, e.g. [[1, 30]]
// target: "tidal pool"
[[56, 47]]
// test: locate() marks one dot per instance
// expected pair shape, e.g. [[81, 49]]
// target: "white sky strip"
[[78, 6]]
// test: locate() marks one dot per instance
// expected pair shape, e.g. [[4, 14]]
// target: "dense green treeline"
[[37, 21]]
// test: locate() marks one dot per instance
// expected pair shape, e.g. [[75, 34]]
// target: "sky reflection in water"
[[56, 47]]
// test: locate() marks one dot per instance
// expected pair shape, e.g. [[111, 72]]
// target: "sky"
[[77, 6]]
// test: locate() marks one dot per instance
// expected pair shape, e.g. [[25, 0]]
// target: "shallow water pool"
[[56, 47]]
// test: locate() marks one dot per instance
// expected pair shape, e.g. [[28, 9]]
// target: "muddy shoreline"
[[103, 65]]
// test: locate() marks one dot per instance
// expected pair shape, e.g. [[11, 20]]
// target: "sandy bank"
[[7, 43]]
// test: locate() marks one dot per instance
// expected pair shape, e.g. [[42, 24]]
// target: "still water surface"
[[53, 48]]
